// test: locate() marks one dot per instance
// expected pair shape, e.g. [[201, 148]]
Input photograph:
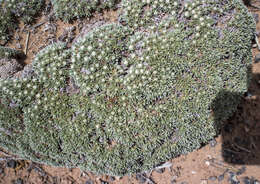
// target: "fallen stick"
[[256, 7], [38, 25], [257, 42], [27, 41]]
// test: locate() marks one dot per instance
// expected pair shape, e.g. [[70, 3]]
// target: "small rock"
[[213, 143], [233, 178], [254, 45], [2, 170], [103, 182], [112, 178], [257, 58], [173, 181], [89, 182], [18, 46], [256, 17], [19, 181], [251, 180], [221, 177], [184, 182], [193, 172], [204, 182], [212, 178], [141, 178], [248, 94], [246, 180], [257, 33], [11, 164], [241, 171], [207, 163], [160, 170], [71, 29]]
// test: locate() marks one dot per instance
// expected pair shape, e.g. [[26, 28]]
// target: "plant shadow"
[[241, 132]]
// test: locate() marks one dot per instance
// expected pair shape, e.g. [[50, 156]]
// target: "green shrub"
[[68, 10], [126, 98], [6, 52], [10, 10]]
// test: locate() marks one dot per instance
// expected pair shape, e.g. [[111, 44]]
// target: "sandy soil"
[[234, 157]]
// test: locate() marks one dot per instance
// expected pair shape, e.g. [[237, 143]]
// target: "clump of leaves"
[[126, 98], [6, 52]]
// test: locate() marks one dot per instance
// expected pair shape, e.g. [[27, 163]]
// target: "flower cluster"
[[68, 10], [51, 66], [125, 98]]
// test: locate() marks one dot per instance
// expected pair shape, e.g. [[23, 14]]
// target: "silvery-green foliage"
[[68, 10], [127, 97]]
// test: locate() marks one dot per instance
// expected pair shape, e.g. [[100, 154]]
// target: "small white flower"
[[131, 47], [93, 53], [89, 48]]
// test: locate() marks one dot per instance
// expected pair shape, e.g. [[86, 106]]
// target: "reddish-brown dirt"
[[236, 151]]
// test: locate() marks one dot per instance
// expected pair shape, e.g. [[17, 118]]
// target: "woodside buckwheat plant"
[[130, 95]]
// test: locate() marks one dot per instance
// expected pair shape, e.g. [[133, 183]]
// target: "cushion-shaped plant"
[[127, 97]]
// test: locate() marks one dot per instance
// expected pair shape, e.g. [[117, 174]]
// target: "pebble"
[[254, 45], [141, 178], [257, 58], [221, 177], [246, 180], [160, 170], [248, 94], [173, 181], [256, 17], [241, 171], [233, 178], [112, 178], [207, 163], [204, 182], [103, 182], [213, 143], [19, 181], [212, 178], [11, 164], [18, 46], [89, 182], [2, 170]]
